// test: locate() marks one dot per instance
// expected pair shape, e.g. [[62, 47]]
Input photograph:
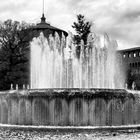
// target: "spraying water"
[[55, 64]]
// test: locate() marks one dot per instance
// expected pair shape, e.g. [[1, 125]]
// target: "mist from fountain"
[[54, 63]]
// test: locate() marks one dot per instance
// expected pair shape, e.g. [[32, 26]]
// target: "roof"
[[130, 49], [43, 25]]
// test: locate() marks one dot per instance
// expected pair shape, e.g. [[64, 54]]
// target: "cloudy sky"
[[119, 18]]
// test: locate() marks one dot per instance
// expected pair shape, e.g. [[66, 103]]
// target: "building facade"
[[131, 60]]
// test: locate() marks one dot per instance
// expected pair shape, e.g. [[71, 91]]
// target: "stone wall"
[[131, 65], [73, 107]]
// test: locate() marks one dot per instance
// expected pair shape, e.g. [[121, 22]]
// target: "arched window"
[[124, 55], [134, 54]]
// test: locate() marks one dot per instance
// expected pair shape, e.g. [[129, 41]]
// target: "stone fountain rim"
[[70, 93], [70, 128]]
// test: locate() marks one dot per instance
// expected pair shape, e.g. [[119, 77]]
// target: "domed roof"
[[44, 25]]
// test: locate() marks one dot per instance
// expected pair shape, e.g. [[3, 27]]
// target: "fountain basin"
[[70, 107]]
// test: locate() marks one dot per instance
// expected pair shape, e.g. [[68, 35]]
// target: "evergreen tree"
[[82, 28]]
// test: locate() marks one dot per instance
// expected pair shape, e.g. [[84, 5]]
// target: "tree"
[[14, 54], [130, 79], [82, 28]]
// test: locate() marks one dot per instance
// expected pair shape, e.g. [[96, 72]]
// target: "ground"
[[8, 134]]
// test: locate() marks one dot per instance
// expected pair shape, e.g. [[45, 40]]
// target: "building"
[[131, 60], [46, 28]]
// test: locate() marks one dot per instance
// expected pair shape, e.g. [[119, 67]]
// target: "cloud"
[[119, 18], [132, 15], [12, 6]]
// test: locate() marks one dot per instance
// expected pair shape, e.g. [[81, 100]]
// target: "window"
[[133, 64], [124, 55], [134, 54], [138, 64]]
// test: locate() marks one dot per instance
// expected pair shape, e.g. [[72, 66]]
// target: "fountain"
[[53, 65], [70, 91]]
